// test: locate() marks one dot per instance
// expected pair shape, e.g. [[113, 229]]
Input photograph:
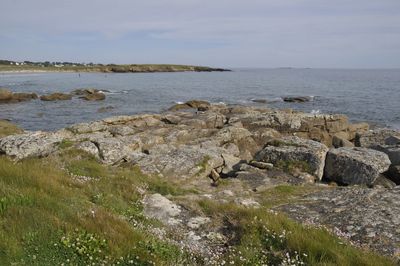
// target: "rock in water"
[[297, 99], [95, 96], [23, 96], [195, 104], [355, 165], [5, 95], [296, 150], [57, 96]]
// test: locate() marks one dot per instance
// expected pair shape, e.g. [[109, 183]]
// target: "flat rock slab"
[[355, 165], [366, 217]]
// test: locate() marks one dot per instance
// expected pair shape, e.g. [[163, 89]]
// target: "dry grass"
[[7, 128]]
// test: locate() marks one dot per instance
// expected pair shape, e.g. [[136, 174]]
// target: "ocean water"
[[364, 95]]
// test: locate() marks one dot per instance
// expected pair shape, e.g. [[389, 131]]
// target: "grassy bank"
[[69, 209], [146, 68]]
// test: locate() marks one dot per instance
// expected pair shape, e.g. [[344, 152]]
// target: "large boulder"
[[308, 154], [30, 144], [355, 165]]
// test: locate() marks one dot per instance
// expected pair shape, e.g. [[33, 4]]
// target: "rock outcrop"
[[308, 155], [355, 165]]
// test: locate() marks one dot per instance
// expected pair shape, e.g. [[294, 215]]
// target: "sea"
[[371, 95]]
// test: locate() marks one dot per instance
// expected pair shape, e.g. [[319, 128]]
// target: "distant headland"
[[28, 66]]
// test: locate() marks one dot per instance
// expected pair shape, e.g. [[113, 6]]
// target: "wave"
[[114, 92]]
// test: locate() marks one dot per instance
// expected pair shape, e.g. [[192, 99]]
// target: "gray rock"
[[232, 134], [355, 165], [89, 147], [121, 130], [394, 173], [30, 144], [159, 207], [180, 162], [375, 137], [370, 217], [88, 127], [197, 222], [393, 140], [294, 149], [112, 150], [393, 151], [230, 164], [382, 181]]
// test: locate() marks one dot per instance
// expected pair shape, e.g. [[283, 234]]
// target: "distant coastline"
[[39, 67]]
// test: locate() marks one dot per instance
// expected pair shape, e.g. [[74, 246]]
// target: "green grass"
[[43, 211], [291, 166], [284, 194], [263, 237], [7, 128]]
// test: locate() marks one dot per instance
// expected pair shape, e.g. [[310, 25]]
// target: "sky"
[[219, 33]]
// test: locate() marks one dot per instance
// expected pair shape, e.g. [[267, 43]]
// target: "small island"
[[28, 66]]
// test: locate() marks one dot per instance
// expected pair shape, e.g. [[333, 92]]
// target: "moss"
[[64, 144], [291, 166]]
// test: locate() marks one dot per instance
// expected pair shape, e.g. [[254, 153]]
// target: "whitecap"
[[315, 112]]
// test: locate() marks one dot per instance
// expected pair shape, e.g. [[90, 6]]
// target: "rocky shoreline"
[[354, 171]]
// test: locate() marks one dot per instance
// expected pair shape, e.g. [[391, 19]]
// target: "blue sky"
[[224, 33]]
